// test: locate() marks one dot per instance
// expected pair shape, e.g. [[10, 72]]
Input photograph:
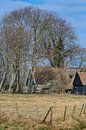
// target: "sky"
[[74, 11]]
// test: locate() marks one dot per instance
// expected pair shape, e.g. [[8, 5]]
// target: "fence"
[[50, 115]]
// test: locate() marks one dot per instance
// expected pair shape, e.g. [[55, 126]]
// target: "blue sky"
[[73, 10]]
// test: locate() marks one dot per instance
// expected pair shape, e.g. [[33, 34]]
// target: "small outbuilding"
[[79, 83]]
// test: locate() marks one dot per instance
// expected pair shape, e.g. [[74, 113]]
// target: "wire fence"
[[50, 114]]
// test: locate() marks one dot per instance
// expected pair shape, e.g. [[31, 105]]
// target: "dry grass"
[[32, 108], [27, 104]]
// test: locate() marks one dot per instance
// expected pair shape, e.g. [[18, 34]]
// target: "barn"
[[79, 83]]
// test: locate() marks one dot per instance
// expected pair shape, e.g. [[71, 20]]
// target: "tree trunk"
[[33, 82], [3, 81], [18, 81], [30, 82], [12, 81], [52, 63]]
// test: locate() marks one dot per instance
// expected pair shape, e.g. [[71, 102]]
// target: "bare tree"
[[58, 45], [16, 40], [3, 60], [29, 35], [78, 59]]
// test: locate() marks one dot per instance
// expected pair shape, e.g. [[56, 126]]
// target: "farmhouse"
[[79, 83], [52, 79]]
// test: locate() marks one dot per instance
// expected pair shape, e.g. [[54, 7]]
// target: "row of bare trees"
[[29, 35]]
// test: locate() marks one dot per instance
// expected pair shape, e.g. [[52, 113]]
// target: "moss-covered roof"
[[44, 75]]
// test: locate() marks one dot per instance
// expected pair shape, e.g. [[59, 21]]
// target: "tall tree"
[[30, 34], [60, 41], [16, 44]]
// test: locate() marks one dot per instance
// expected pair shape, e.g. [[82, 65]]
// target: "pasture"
[[33, 108]]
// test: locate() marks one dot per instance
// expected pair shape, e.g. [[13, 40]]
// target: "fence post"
[[81, 110], [74, 108], [84, 109], [65, 112], [49, 111], [51, 116]]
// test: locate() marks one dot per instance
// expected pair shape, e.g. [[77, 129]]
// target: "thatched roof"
[[45, 75]]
